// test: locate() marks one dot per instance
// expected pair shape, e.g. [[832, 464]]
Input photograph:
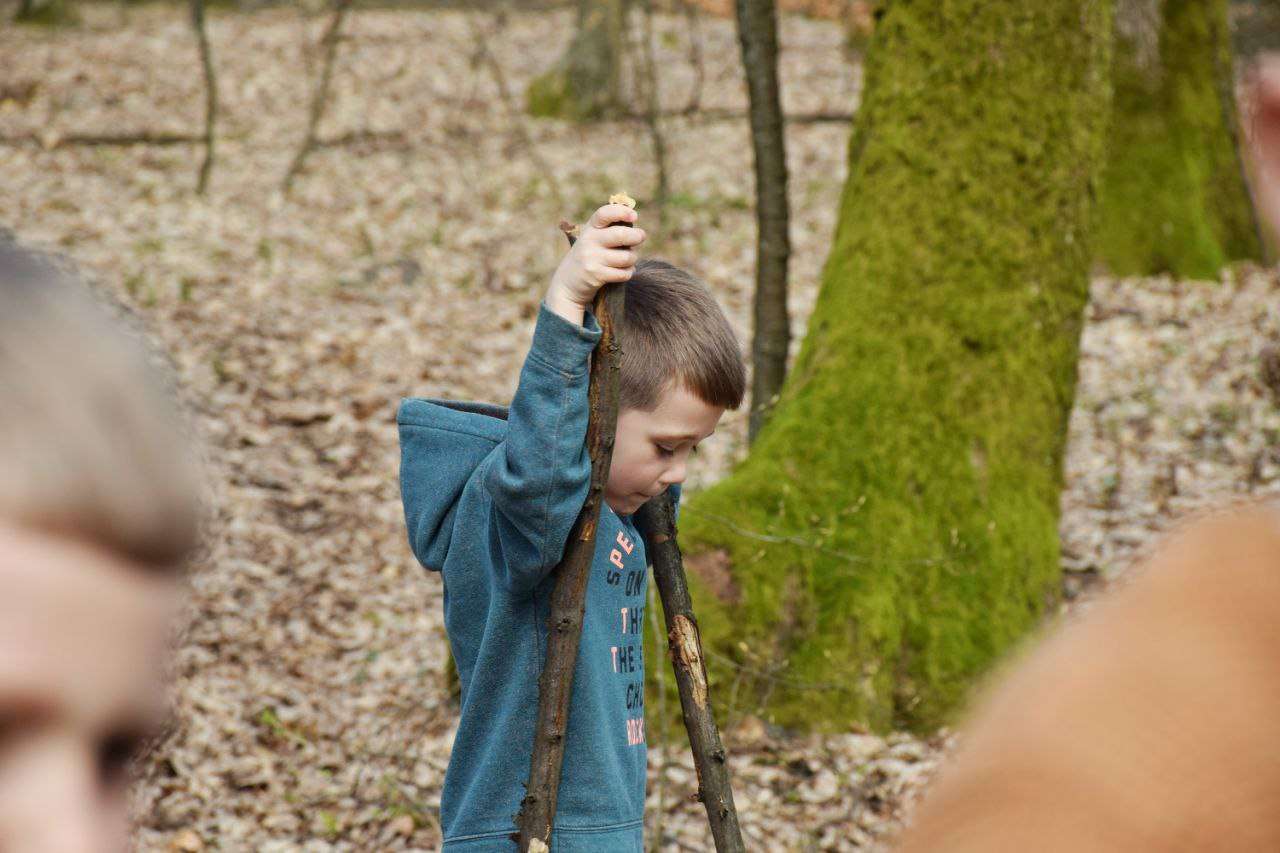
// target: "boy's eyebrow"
[[682, 437]]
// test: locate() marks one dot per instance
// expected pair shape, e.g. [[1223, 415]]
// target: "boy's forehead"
[[681, 413], [81, 632]]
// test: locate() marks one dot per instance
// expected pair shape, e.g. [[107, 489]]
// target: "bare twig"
[[721, 114], [320, 96], [373, 139], [657, 523], [514, 112], [57, 140], [856, 559], [693, 21], [656, 138], [210, 93], [568, 597]]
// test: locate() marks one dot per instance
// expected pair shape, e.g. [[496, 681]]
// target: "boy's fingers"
[[620, 258], [621, 235], [611, 213], [613, 274]]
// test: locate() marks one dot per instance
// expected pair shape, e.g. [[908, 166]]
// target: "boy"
[[490, 496], [98, 508]]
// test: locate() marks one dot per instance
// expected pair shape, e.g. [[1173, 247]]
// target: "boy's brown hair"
[[90, 444], [675, 331]]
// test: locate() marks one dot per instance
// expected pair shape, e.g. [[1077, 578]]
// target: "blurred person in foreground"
[[98, 511], [1153, 722]]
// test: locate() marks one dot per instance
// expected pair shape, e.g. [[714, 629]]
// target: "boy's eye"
[[671, 451], [115, 751]]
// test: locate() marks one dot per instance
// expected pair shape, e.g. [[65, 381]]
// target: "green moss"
[[894, 530], [1173, 193], [48, 13], [584, 84], [548, 96]]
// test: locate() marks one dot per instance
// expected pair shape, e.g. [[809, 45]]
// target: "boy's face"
[[82, 637], [653, 448]]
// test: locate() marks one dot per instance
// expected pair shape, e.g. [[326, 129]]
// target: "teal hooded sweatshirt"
[[490, 495]]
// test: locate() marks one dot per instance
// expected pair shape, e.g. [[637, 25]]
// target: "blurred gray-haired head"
[[91, 444]]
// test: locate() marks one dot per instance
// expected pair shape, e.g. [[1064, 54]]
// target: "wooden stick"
[[657, 523], [569, 597]]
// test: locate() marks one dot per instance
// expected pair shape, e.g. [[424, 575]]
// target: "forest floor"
[[409, 259]]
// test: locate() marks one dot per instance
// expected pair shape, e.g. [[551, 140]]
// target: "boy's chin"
[[626, 505]]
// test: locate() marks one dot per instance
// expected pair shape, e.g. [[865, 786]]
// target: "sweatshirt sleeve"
[[538, 476]]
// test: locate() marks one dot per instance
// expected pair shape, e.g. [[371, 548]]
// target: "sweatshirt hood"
[[441, 444]]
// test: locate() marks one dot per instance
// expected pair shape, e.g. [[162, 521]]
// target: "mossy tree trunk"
[[45, 12], [894, 529], [1174, 198], [586, 83]]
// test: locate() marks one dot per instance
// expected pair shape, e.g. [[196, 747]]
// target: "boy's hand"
[[602, 254]]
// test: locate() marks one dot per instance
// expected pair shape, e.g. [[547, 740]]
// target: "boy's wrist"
[[563, 306]]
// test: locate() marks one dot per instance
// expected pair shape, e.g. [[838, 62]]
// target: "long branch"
[[210, 93], [568, 597], [531, 148], [657, 523], [320, 97]]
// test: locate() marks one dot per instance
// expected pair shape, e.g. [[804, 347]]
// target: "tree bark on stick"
[[657, 523], [568, 598], [758, 35], [320, 96], [210, 93]]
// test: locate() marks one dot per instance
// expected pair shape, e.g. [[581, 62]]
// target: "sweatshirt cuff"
[[563, 345]]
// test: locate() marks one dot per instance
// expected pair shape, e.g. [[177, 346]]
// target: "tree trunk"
[[894, 529], [586, 83], [1174, 198], [758, 35]]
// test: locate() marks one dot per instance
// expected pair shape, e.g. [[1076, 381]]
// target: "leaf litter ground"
[[310, 705]]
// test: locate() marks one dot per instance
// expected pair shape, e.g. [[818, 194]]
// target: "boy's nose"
[[674, 475]]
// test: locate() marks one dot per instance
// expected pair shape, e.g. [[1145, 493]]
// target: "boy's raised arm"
[[539, 475]]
